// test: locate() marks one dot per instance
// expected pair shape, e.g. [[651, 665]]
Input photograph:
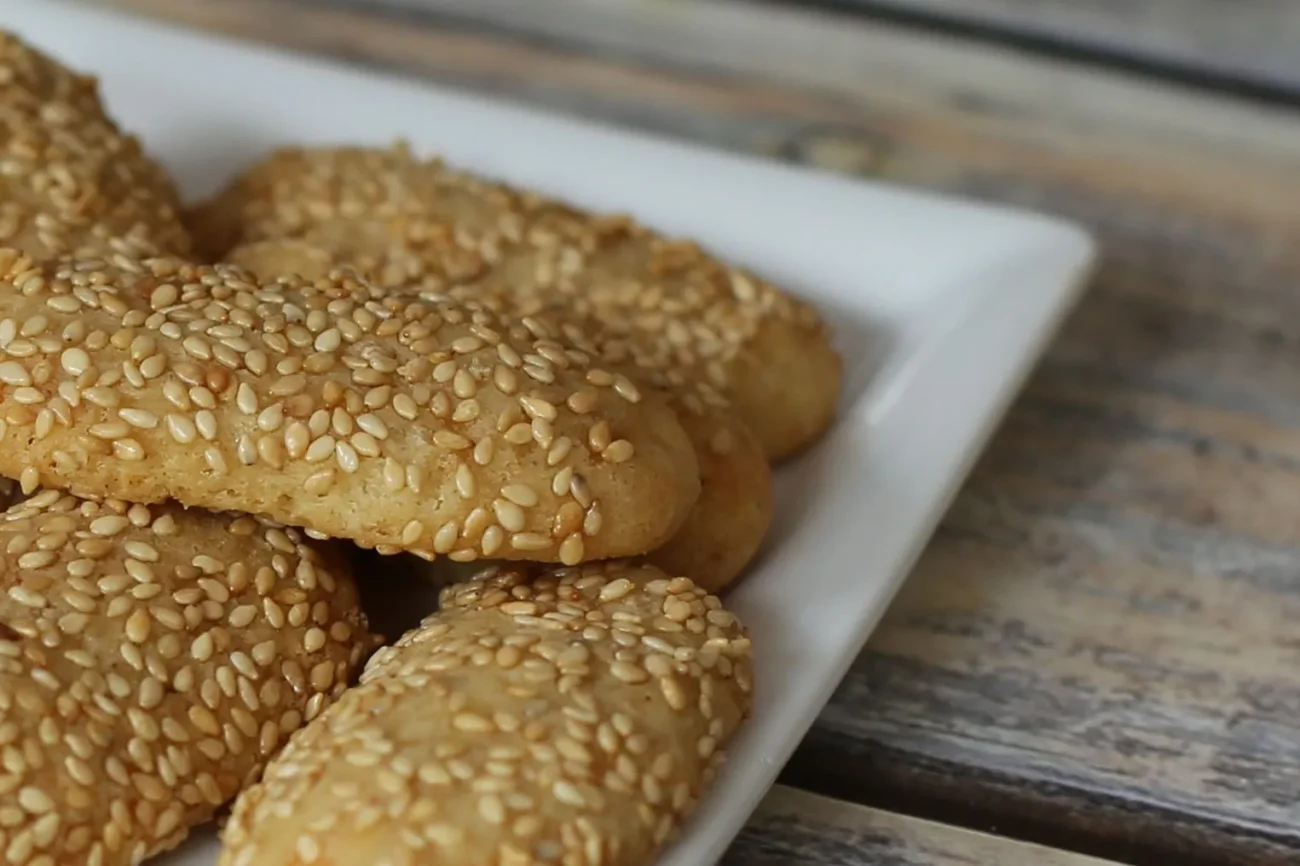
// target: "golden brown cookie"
[[432, 426], [410, 222], [730, 519], [71, 182], [572, 716], [151, 660]]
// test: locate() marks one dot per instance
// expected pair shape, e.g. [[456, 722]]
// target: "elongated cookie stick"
[[419, 223], [434, 427], [151, 660], [572, 716], [731, 517], [71, 181]]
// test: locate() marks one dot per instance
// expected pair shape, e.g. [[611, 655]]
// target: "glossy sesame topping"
[[72, 182], [653, 302], [129, 709], [554, 716], [299, 443]]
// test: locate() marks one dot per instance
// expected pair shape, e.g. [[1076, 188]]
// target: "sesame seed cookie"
[[571, 716], [413, 222], [727, 527], [729, 521], [731, 518], [72, 182], [430, 426], [151, 660]]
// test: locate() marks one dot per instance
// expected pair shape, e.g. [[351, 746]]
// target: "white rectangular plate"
[[941, 307]]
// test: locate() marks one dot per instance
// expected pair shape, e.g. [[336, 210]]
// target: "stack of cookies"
[[204, 416]]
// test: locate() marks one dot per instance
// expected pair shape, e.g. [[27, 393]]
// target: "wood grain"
[[845, 63], [1099, 647], [1246, 40], [793, 828]]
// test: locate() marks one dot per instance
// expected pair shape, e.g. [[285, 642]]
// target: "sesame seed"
[[13, 373], [202, 648], [583, 402], [36, 559], [580, 491], [373, 425], [314, 640], [591, 524], [445, 538], [405, 407], [618, 451], [492, 540], [450, 441], [510, 516], [599, 436], [346, 455], [412, 532], [470, 723], [520, 494], [572, 550], [246, 399], [271, 418], [35, 801], [139, 418], [529, 541], [558, 452], [271, 451], [628, 673], [624, 387], [109, 525], [141, 550], [465, 484], [137, 626], [206, 423], [321, 449], [537, 407], [128, 450]]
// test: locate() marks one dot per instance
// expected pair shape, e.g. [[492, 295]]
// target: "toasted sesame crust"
[[151, 660], [411, 222], [71, 182], [728, 522], [574, 716], [399, 422]]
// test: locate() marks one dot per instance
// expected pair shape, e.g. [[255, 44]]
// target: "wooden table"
[[1100, 652]]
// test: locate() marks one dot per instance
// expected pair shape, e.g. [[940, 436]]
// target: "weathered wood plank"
[[1100, 641], [857, 64], [794, 828], [761, 81], [1247, 40]]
